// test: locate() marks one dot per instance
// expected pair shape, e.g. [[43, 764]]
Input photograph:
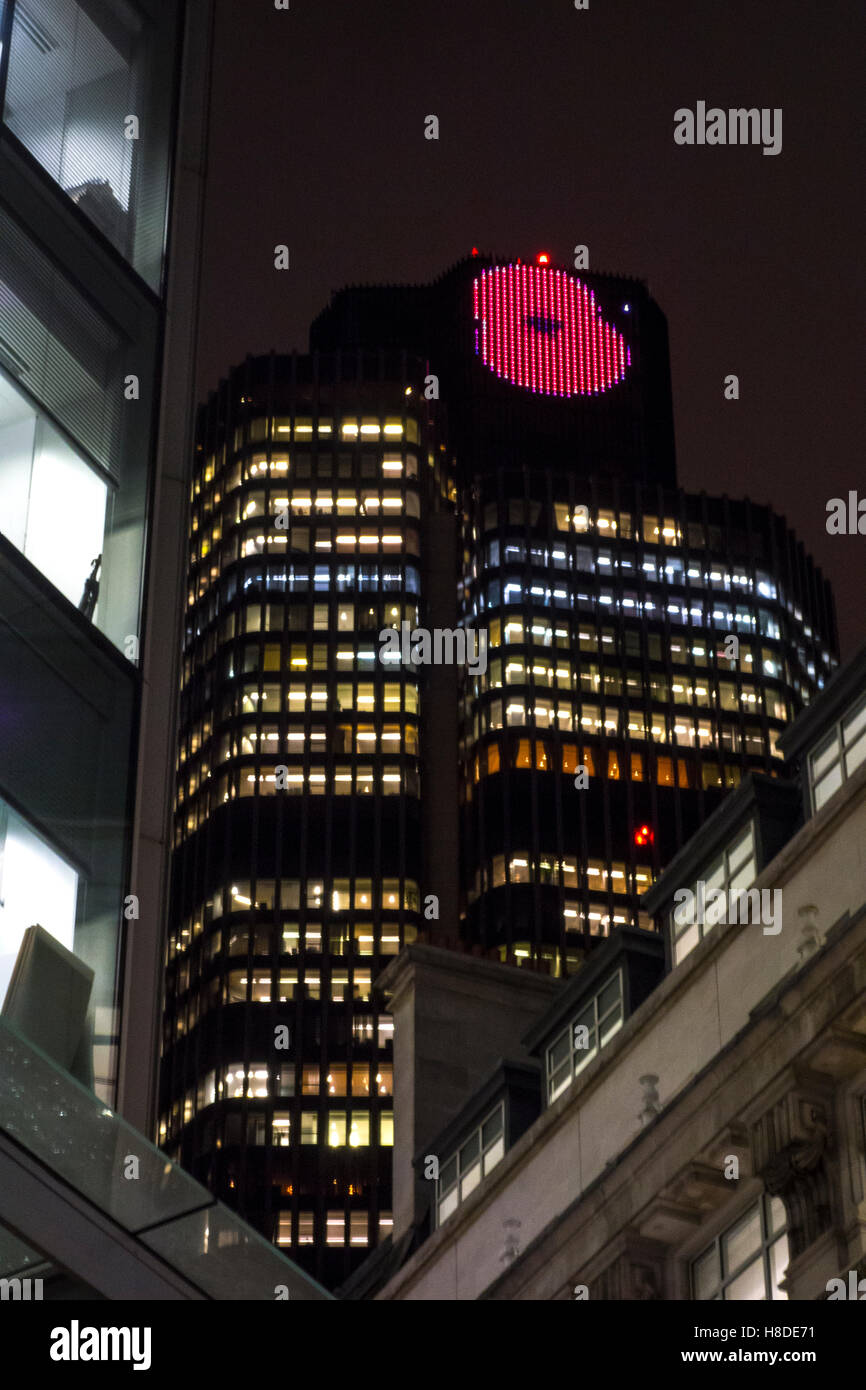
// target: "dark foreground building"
[[493, 451], [97, 336]]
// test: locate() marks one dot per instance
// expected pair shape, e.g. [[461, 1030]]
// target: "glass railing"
[[69, 1130]]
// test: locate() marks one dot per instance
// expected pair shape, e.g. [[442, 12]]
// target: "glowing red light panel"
[[541, 328], [644, 836]]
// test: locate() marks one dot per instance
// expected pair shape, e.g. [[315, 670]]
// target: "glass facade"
[[75, 444], [645, 648], [79, 363], [86, 96], [616, 709], [297, 829], [36, 885]]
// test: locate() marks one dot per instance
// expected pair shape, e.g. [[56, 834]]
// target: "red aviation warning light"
[[542, 329], [644, 835]]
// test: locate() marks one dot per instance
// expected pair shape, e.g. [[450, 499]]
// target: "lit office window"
[[747, 1262], [78, 72], [588, 1031], [358, 1221], [61, 361], [838, 755], [335, 1228], [36, 885]]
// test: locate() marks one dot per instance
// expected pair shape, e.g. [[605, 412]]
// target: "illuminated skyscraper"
[[298, 841], [494, 450], [610, 597]]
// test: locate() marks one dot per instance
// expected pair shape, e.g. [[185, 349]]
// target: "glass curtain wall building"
[[607, 594], [612, 717], [297, 865], [89, 109], [494, 451]]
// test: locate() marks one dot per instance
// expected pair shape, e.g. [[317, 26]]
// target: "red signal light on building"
[[644, 835], [543, 258]]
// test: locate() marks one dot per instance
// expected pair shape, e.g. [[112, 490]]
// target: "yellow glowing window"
[[665, 775], [569, 757], [637, 767], [364, 938], [492, 758], [523, 757], [613, 766]]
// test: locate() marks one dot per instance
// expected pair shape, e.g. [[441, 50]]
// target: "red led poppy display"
[[541, 328]]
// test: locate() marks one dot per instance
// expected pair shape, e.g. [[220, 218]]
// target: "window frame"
[[769, 1239], [479, 1160], [723, 860], [586, 1054], [842, 751]]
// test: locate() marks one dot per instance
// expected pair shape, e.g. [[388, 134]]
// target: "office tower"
[[493, 450], [608, 593], [298, 863], [97, 99]]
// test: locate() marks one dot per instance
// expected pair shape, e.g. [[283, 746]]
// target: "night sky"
[[556, 128]]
